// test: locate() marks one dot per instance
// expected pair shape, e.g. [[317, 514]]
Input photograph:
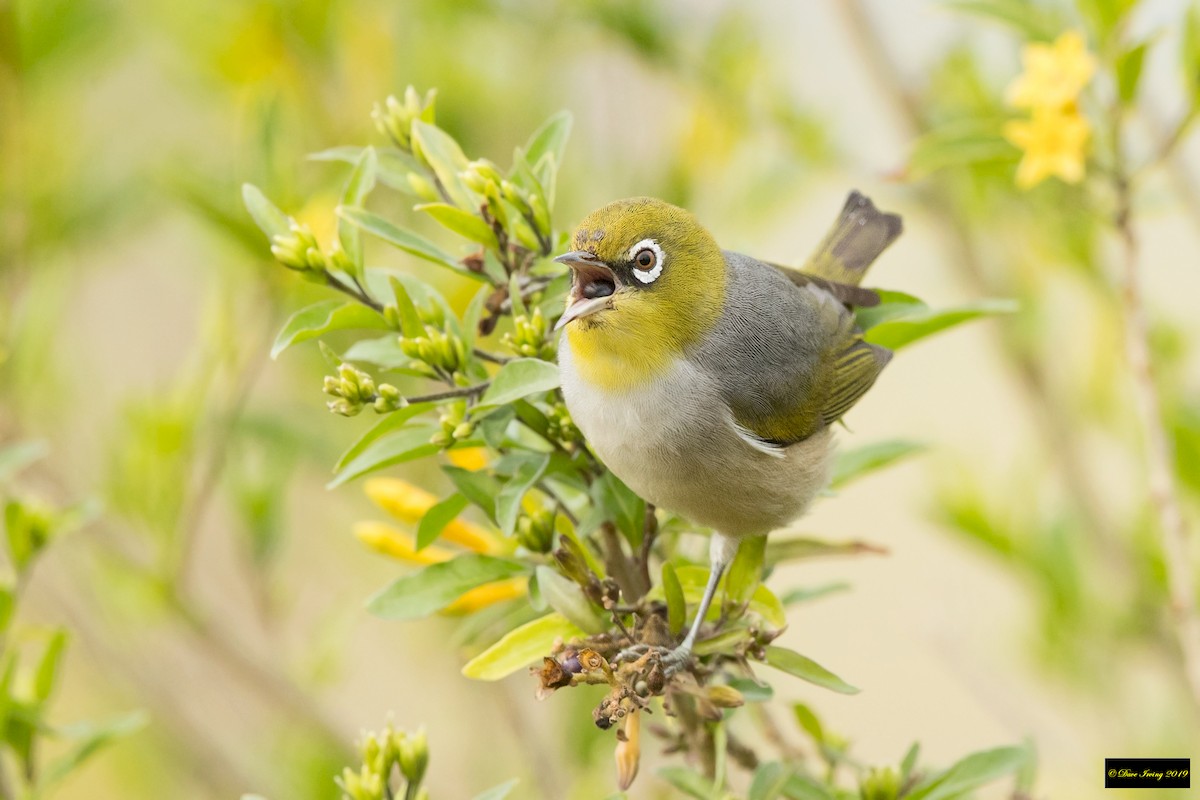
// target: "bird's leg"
[[721, 552]]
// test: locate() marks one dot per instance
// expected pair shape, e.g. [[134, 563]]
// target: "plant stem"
[[492, 357], [356, 291], [465, 391], [1163, 496]]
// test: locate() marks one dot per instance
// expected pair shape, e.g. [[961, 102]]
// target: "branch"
[[1175, 539], [466, 391], [356, 291]]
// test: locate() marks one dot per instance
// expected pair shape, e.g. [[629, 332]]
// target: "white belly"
[[673, 442]]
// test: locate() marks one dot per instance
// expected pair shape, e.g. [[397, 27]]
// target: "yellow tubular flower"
[[409, 503], [1054, 74], [489, 594], [383, 538], [1054, 141]]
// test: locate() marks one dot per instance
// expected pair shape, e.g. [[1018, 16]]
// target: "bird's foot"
[[672, 659]]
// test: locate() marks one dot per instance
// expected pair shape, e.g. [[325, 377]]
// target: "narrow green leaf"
[[517, 379], [752, 690], [358, 185], [693, 784], [437, 518], [805, 595], [90, 738], [410, 321], [478, 487], [383, 351], [405, 444], [497, 792], [769, 780], [909, 763], [508, 501], [891, 304], [565, 597], [970, 773], [447, 160], [16, 457], [432, 588], [550, 138], [1129, 72], [269, 219], [746, 570], [520, 647], [673, 594], [809, 722], [391, 422], [463, 223], [779, 550], [961, 144], [474, 313], [896, 333], [850, 465], [806, 669], [47, 670], [802, 787], [321, 318], [407, 241]]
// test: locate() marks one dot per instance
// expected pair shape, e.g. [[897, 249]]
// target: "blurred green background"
[[220, 588]]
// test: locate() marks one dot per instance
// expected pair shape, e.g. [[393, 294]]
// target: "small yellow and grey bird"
[[708, 381]]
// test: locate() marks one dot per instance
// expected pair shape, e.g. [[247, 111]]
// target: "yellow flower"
[[1054, 74], [409, 503], [1054, 141], [469, 458]]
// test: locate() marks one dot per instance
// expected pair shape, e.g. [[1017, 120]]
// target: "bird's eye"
[[645, 258]]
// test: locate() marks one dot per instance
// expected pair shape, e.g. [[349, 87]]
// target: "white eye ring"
[[647, 275]]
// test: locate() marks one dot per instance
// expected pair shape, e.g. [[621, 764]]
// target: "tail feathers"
[[860, 234]]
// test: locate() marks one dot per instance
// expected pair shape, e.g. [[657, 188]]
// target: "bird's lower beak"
[[592, 286]]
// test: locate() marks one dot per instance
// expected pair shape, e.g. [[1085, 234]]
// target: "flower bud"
[[541, 214], [725, 697], [414, 756], [881, 783], [628, 753], [423, 188]]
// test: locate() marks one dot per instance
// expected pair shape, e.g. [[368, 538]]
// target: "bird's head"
[[647, 281]]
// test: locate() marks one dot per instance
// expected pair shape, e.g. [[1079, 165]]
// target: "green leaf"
[[849, 465], [447, 160], [892, 304], [383, 351], [404, 445], [437, 518], [613, 500], [269, 219], [690, 783], [693, 580], [391, 422], [565, 597], [970, 773], [769, 781], [508, 501], [909, 762], [802, 787], [746, 570], [673, 594], [432, 588], [806, 669], [521, 647], [1129, 72], [464, 223], [551, 137], [804, 595], [478, 487], [752, 690], [410, 321], [47, 670], [959, 144], [321, 318], [16, 457], [896, 333], [90, 738], [779, 550], [1031, 20], [809, 722], [518, 378], [407, 241], [358, 186], [497, 792]]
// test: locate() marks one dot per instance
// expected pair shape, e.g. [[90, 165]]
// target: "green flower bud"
[[463, 431], [423, 188], [332, 386], [441, 439], [881, 783], [340, 260], [525, 235], [414, 757], [512, 194], [541, 214]]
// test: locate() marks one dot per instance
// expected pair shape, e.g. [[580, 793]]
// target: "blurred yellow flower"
[[472, 458], [1054, 74], [409, 503], [1054, 141]]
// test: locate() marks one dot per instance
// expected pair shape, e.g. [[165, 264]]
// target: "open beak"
[[592, 286]]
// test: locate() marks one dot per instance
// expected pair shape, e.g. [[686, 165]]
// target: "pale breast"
[[673, 441]]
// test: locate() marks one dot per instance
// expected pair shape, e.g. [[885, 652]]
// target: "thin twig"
[[492, 357], [356, 291], [1163, 496], [465, 391]]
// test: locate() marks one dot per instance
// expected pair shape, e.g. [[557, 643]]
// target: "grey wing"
[[787, 357]]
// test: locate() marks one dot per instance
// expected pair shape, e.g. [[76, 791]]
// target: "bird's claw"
[[672, 659]]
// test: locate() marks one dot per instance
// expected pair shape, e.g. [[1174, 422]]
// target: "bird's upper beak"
[[592, 286]]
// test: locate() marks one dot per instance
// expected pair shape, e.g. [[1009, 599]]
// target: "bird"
[[709, 381]]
